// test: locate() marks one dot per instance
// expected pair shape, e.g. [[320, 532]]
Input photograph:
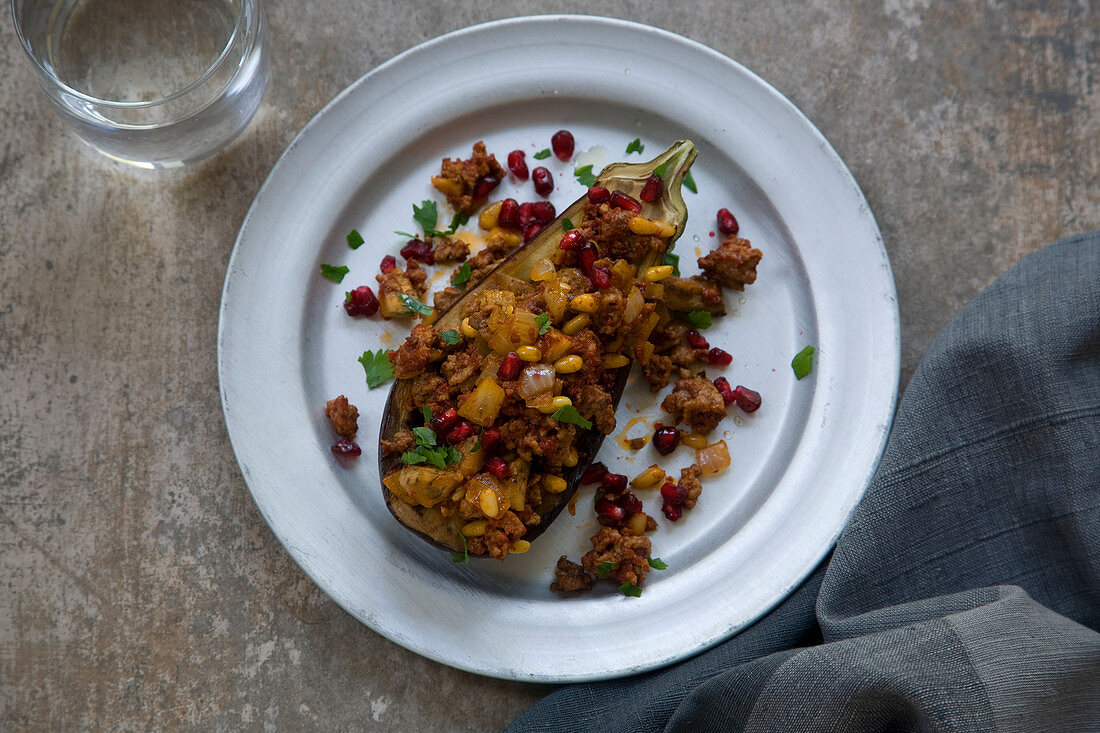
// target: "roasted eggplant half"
[[482, 445]]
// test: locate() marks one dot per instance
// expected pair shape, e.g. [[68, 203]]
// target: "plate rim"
[[833, 159]]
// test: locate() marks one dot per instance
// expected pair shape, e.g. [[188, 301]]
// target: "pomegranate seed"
[[719, 357], [361, 302], [601, 277], [417, 249], [461, 432], [630, 503], [572, 239], [725, 390], [727, 223], [388, 263], [543, 180], [594, 473], [509, 214], [696, 340], [747, 399], [608, 510], [588, 257], [652, 189], [562, 142], [345, 448], [498, 467], [444, 421], [490, 438], [620, 200], [509, 368], [525, 214], [543, 212], [673, 494], [672, 512], [517, 163], [598, 194], [485, 186], [613, 483], [531, 231], [665, 439]]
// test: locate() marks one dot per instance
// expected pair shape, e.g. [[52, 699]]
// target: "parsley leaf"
[[424, 436], [426, 411], [355, 239], [700, 319], [585, 176], [407, 235], [567, 224], [425, 216], [414, 305], [657, 563], [635, 146], [458, 220], [450, 336], [689, 183], [543, 319], [659, 171], [604, 568], [569, 414], [465, 556], [629, 589], [803, 362], [334, 273], [462, 276], [674, 260], [378, 367], [438, 456], [542, 154]]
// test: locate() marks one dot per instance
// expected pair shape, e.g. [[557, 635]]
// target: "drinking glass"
[[151, 83]]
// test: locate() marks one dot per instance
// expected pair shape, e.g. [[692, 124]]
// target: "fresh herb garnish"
[[699, 319], [542, 154], [629, 589], [585, 176], [689, 183], [543, 319], [567, 224], [657, 563], [426, 450], [426, 411], [803, 362], [425, 216], [414, 305], [659, 171], [355, 239], [462, 276], [635, 146], [424, 435], [407, 235], [674, 260], [450, 336], [604, 568], [569, 414], [334, 273], [378, 367], [459, 219], [465, 556]]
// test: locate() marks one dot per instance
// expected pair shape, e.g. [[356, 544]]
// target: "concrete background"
[[139, 585]]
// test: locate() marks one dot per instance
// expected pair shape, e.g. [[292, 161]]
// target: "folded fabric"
[[964, 594]]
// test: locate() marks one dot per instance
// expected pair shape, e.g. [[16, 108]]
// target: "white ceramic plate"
[[800, 464]]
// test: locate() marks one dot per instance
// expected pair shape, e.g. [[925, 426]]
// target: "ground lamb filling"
[[500, 402]]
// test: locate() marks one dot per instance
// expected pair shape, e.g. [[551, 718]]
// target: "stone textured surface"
[[140, 587]]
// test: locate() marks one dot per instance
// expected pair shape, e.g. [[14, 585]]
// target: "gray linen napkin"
[[964, 595]]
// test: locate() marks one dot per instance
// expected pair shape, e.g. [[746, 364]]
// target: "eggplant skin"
[[427, 522]]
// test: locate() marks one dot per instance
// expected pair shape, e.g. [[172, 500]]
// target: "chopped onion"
[[713, 458], [535, 380], [634, 304]]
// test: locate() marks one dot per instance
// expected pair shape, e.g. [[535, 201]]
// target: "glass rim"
[[238, 30]]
